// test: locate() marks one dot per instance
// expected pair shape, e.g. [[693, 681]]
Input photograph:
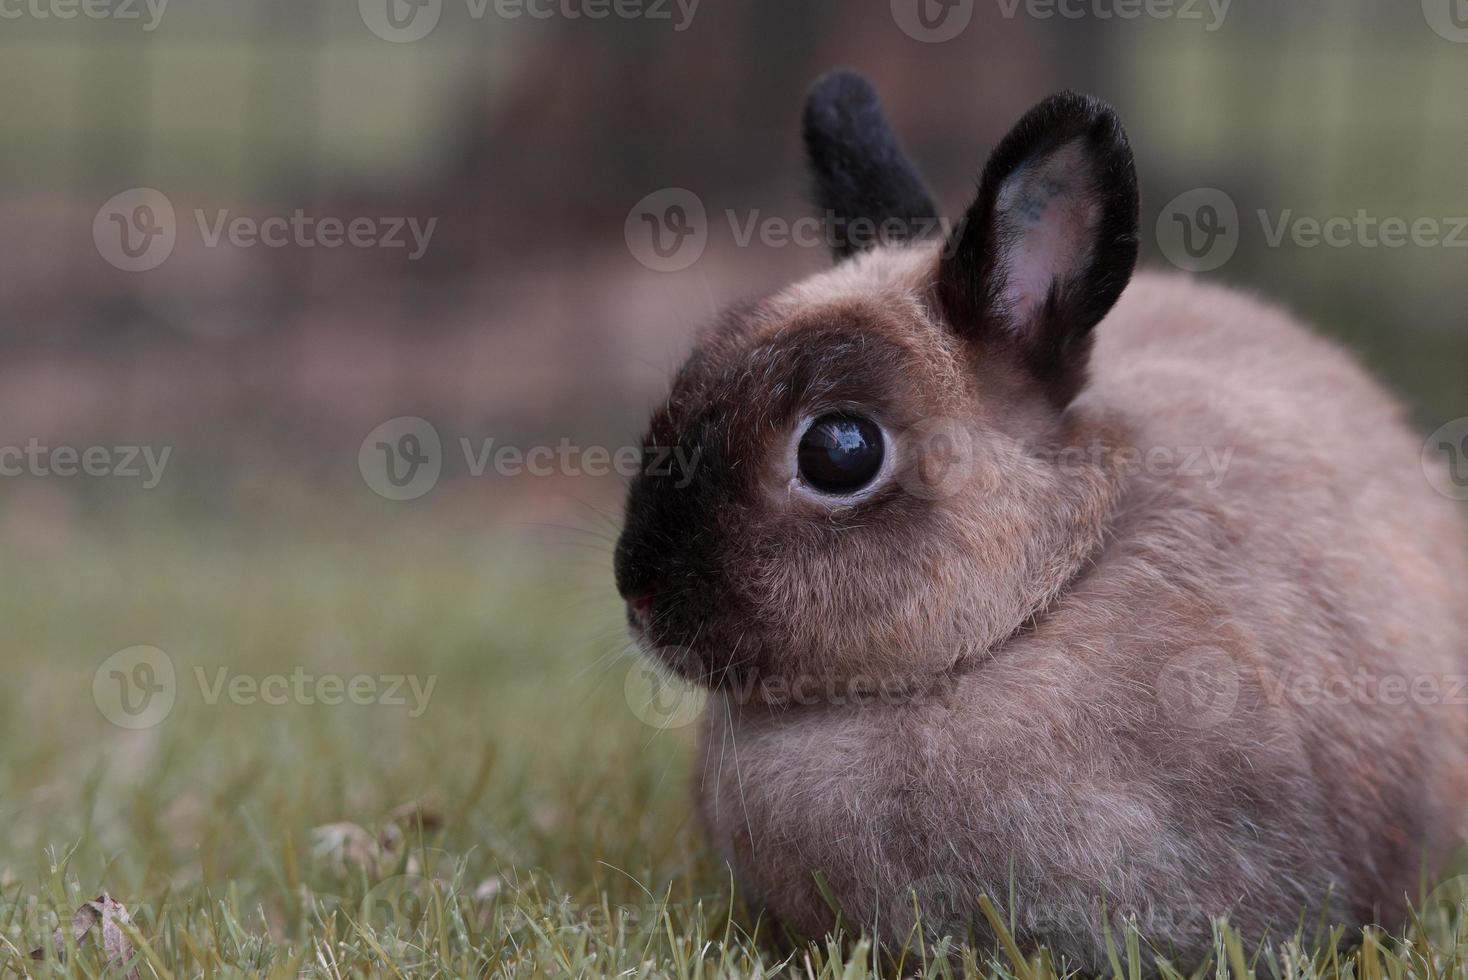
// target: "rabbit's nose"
[[641, 605]]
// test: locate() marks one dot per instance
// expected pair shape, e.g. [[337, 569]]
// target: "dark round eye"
[[840, 453]]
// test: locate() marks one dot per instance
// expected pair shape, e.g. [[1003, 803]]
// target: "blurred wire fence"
[[504, 147]]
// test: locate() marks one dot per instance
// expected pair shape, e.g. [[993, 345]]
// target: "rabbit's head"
[[855, 479]]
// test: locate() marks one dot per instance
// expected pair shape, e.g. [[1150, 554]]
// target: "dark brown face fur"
[[966, 356], [698, 537], [732, 552], [745, 573]]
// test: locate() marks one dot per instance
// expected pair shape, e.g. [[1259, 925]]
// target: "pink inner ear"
[[1046, 218]]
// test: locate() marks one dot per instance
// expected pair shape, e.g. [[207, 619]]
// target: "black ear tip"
[[863, 179], [840, 92], [1060, 119], [1080, 102], [842, 85], [1075, 113]]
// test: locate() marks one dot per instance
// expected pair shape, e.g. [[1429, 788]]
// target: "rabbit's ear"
[[864, 182], [1047, 248]]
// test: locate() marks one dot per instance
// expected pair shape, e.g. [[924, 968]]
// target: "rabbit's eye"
[[840, 454]]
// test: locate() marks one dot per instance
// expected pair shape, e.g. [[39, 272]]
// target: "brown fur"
[[1016, 635]]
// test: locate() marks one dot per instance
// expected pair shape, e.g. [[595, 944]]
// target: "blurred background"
[[526, 136], [498, 162]]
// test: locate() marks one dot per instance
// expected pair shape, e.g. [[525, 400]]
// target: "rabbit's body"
[[1009, 582], [1071, 760]]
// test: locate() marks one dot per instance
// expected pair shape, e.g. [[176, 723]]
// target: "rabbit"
[[973, 619]]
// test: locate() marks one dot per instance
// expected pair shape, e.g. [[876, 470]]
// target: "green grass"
[[556, 835]]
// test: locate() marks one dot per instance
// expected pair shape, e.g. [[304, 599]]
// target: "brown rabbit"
[[1161, 619]]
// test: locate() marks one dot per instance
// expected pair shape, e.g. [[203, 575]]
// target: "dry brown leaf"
[[115, 945]]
